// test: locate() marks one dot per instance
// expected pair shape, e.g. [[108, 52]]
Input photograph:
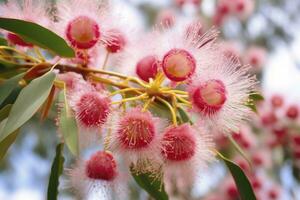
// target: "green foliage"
[[3, 42], [56, 171], [38, 35], [154, 187], [184, 116], [68, 125], [8, 85], [27, 103], [254, 97], [6, 143], [243, 185]]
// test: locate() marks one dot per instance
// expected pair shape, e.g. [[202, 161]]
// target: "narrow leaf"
[[27, 103], [256, 96], [3, 42], [242, 183], [6, 143], [184, 117], [56, 171], [38, 35], [240, 150], [252, 106], [7, 86], [5, 111], [154, 187], [68, 125]]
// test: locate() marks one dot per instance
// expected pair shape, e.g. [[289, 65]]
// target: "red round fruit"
[[101, 166], [147, 68]]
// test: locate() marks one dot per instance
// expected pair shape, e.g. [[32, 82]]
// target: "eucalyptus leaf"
[[8, 85], [27, 103], [242, 183], [68, 125], [154, 187], [3, 41], [184, 116], [7, 142], [38, 35], [56, 171]]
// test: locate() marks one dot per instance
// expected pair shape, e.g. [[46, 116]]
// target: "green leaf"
[[38, 35], [242, 183], [5, 111], [3, 41], [256, 96], [6, 143], [154, 187], [12, 97], [240, 150], [252, 106], [27, 103], [56, 171], [8, 85], [253, 98], [183, 115], [68, 125]]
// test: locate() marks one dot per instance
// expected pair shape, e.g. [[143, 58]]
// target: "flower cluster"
[[136, 113], [240, 8]]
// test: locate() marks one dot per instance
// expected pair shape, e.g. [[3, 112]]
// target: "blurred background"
[[266, 34]]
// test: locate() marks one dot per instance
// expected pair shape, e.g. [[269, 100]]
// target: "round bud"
[[92, 109], [16, 40], [179, 143], [117, 42], [147, 68], [83, 32], [296, 139], [277, 101], [240, 6], [136, 130], [101, 166], [292, 112], [232, 191], [209, 97], [256, 183], [178, 65], [273, 194], [269, 118]]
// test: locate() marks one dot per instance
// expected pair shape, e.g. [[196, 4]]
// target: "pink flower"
[[91, 108], [136, 135], [182, 54], [219, 92], [97, 177], [185, 149], [82, 22]]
